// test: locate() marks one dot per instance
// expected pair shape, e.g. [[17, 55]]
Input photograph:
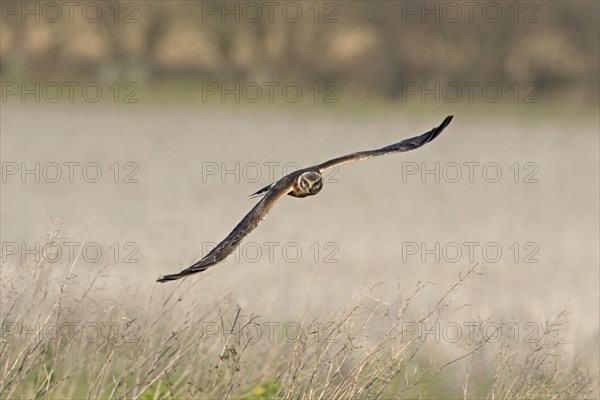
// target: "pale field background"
[[369, 213]]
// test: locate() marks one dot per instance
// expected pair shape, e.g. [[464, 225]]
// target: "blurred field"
[[367, 216], [368, 50]]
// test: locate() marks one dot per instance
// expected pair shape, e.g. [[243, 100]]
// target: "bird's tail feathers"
[[262, 191]]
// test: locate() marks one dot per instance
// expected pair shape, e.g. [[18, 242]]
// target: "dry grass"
[[194, 339], [166, 347]]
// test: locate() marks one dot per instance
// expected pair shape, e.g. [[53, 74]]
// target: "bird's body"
[[302, 183]]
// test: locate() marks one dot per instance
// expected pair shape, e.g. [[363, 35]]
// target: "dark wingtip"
[[438, 129], [445, 122]]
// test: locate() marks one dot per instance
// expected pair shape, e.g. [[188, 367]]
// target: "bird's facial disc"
[[312, 181]]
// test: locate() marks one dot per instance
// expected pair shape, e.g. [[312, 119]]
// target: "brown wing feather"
[[246, 225], [405, 145]]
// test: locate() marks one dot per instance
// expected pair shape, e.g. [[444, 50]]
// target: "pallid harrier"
[[301, 183]]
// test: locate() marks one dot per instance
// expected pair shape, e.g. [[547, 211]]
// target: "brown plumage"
[[302, 183]]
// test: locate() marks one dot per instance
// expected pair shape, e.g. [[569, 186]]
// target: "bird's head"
[[310, 182]]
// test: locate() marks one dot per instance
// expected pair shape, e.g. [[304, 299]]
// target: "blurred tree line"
[[369, 48]]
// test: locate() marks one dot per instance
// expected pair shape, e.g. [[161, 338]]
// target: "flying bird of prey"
[[301, 183]]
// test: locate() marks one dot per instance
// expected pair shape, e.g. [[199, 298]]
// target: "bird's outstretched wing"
[[405, 145], [246, 225]]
